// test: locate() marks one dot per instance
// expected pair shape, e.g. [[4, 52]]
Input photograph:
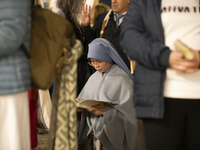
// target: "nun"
[[111, 125]]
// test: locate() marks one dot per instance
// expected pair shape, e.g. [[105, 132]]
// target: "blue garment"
[[102, 49], [142, 37], [14, 30], [117, 127], [97, 50]]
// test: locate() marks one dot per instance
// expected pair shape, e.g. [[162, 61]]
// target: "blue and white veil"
[[102, 49]]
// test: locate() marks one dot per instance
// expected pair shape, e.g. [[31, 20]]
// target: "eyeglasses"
[[92, 63]]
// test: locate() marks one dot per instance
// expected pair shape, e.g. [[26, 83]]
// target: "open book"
[[88, 103], [188, 54]]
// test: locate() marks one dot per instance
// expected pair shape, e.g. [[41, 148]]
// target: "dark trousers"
[[178, 130]]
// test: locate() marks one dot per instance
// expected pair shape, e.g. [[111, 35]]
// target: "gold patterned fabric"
[[63, 128]]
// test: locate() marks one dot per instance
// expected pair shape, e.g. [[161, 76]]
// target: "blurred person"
[[112, 124], [72, 11], [111, 30], [97, 10], [77, 74], [95, 2], [14, 75], [166, 84]]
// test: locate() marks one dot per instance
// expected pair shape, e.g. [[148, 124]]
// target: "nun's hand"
[[79, 109], [97, 110]]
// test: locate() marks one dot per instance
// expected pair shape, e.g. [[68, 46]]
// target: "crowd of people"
[[156, 108]]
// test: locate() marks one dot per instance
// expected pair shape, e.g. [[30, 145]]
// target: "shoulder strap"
[[104, 24]]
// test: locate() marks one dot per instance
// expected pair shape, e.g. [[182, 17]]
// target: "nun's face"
[[100, 66]]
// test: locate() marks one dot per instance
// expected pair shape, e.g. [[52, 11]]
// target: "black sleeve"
[[91, 33]]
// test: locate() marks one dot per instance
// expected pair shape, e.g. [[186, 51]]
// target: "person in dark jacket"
[[166, 84], [111, 31]]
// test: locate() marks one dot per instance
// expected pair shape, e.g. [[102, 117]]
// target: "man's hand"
[[85, 17], [182, 65], [97, 110]]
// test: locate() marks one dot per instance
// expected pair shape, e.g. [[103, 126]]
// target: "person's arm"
[[147, 49], [14, 15], [85, 24], [138, 43], [90, 33]]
